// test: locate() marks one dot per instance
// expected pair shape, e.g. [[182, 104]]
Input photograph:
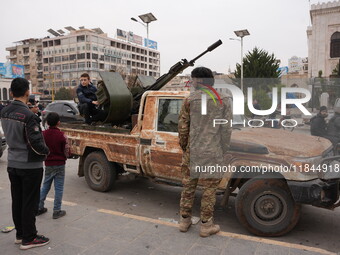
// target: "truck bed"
[[119, 144], [100, 128]]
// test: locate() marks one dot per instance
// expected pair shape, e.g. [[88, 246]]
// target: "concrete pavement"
[[91, 230]]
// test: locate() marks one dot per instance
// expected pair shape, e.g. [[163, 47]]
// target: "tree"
[[64, 94], [260, 70], [336, 70], [258, 63]]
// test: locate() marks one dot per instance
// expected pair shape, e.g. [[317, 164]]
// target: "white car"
[[3, 141]]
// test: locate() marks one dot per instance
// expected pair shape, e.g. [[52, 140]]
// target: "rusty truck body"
[[267, 203]]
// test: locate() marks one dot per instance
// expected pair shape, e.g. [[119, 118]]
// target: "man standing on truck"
[[86, 93], [26, 152], [202, 143]]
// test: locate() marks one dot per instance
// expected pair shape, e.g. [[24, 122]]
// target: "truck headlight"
[[307, 165], [325, 168]]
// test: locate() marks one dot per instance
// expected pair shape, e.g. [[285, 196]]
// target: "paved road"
[[142, 202]]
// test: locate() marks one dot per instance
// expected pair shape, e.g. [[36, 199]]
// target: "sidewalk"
[[89, 230]]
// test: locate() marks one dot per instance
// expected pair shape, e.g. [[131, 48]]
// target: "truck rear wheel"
[[100, 174], [265, 207]]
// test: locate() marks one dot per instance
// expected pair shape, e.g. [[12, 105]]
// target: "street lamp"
[[241, 34], [146, 18]]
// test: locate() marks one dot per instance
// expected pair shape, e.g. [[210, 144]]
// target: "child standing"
[[56, 141]]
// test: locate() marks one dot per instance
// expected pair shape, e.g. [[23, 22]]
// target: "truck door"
[[163, 155]]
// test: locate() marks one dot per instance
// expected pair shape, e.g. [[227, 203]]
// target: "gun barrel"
[[210, 48], [174, 71]]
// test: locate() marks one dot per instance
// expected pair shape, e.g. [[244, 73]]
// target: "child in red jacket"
[[56, 141]]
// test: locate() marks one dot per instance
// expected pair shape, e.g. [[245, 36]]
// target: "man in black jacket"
[[333, 130], [86, 93], [318, 125], [26, 152]]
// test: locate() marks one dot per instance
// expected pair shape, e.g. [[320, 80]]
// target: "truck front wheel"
[[265, 207], [100, 174]]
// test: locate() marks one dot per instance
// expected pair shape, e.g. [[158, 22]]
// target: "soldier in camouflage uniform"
[[202, 145]]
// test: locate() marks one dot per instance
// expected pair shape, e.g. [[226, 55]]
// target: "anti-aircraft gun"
[[117, 100]]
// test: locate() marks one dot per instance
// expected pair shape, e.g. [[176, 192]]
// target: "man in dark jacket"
[[318, 125], [333, 130], [1, 106], [86, 93], [26, 152]]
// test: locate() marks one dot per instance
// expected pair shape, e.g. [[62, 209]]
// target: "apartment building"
[[28, 53], [54, 62], [66, 57]]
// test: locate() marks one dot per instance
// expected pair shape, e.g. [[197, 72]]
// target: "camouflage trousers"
[[208, 201]]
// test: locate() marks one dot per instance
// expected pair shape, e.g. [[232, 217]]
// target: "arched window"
[[4, 93], [335, 45]]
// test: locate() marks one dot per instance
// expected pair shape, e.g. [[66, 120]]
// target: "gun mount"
[[117, 100]]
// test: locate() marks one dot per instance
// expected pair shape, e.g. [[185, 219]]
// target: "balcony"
[[11, 48], [12, 56]]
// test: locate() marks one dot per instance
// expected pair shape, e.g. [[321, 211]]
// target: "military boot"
[[209, 228], [184, 223]]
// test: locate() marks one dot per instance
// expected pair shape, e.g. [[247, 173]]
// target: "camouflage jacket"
[[198, 138]]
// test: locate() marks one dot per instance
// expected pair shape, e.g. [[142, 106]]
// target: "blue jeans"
[[56, 173]]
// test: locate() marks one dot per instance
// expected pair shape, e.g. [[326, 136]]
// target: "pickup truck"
[[267, 203]]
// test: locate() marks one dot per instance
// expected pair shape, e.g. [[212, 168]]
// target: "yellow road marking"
[[222, 233], [136, 217], [274, 242], [64, 202]]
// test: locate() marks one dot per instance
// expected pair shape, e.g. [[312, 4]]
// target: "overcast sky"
[[184, 28]]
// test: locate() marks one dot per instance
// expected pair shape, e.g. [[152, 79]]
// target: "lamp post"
[[147, 19], [241, 34]]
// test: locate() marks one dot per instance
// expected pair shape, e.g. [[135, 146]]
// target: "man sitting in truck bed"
[[86, 93]]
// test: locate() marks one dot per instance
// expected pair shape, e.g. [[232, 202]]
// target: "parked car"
[[3, 141], [67, 110]]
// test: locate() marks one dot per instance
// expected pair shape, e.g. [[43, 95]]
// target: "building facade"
[[28, 53], [5, 85], [60, 60], [297, 65], [324, 38]]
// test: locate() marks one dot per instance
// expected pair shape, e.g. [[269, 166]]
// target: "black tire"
[[100, 174], [265, 207]]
